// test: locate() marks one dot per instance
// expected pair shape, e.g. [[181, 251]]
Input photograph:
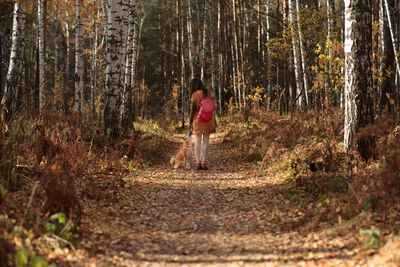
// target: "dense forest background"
[[94, 96]]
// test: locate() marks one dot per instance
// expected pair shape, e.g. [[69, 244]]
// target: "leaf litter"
[[228, 215]]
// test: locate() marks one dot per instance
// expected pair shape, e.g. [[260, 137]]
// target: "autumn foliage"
[[306, 151]]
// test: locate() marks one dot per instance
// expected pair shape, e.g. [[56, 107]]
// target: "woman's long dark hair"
[[197, 84]]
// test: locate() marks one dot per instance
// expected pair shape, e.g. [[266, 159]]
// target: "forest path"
[[227, 216]]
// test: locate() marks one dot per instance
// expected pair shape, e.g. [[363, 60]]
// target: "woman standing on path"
[[201, 129]]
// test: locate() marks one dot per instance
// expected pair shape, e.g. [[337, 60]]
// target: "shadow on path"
[[228, 215]]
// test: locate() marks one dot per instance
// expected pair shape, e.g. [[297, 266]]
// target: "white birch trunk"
[[13, 78], [350, 105], [234, 79], [137, 51], [94, 63], [220, 64], [235, 55], [393, 36], [358, 75], [190, 38], [381, 44], [268, 28], [204, 41], [212, 52], [78, 77], [42, 51], [302, 52], [135, 48], [66, 83], [126, 109], [296, 55], [115, 67]]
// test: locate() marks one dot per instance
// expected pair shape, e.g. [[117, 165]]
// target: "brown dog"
[[184, 156]]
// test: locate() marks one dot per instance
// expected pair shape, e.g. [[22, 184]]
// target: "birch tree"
[[13, 78], [387, 62], [78, 77], [235, 55], [358, 75], [190, 38], [393, 36], [115, 67], [220, 57], [66, 83], [94, 60], [302, 54], [127, 104], [56, 53], [212, 48], [267, 37], [203, 45], [135, 48], [259, 34], [296, 54], [42, 53]]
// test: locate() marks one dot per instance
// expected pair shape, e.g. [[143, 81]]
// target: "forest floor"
[[229, 215]]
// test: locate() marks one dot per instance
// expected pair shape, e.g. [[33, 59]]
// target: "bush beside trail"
[[49, 165], [305, 151]]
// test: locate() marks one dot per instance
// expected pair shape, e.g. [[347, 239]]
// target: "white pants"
[[201, 149]]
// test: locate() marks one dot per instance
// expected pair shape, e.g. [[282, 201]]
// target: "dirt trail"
[[226, 216]]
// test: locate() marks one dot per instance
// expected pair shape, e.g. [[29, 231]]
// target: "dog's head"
[[188, 140]]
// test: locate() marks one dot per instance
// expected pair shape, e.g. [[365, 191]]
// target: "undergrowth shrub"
[[6, 253], [72, 161], [59, 186], [306, 151], [378, 182]]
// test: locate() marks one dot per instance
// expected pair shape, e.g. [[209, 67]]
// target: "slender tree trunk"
[[267, 36], [56, 78], [212, 47], [220, 58], [2, 61], [242, 49], [42, 51], [381, 47], [138, 38], [180, 62], [393, 36], [259, 34], [66, 84], [280, 32], [94, 63], [135, 48], [296, 55], [163, 46], [78, 77], [13, 78], [358, 78], [204, 41], [388, 63], [182, 76], [302, 55], [126, 109], [105, 14], [190, 38], [235, 54], [241, 46]]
